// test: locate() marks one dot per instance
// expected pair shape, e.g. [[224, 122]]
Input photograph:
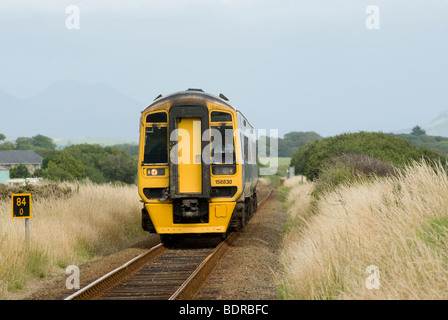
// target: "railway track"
[[159, 273]]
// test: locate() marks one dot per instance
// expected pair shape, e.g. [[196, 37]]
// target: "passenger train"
[[197, 170]]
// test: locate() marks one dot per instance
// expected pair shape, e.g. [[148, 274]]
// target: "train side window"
[[157, 117], [253, 153], [246, 149], [218, 116], [156, 145]]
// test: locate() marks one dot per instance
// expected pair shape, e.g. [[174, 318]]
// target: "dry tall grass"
[[95, 220], [398, 224]]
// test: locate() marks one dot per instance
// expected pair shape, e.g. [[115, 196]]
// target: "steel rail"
[[186, 291], [116, 275], [189, 288]]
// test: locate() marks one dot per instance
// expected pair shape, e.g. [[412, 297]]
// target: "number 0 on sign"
[[21, 206]]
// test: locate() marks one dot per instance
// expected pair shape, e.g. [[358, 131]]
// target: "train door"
[[189, 155]]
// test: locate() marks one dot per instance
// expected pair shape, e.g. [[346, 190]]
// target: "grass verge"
[[86, 223], [396, 225]]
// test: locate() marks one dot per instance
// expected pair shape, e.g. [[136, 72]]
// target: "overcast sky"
[[305, 65]]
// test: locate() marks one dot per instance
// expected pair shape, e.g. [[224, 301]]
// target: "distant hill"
[[439, 126], [433, 142], [69, 109]]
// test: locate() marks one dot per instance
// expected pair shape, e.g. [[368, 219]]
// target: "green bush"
[[309, 159], [21, 171], [349, 168]]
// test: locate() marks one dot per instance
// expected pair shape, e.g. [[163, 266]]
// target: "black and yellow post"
[[21, 209]]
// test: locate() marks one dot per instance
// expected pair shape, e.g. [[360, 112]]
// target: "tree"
[[8, 145], [104, 164], [21, 171], [55, 173], [119, 167], [2, 137], [41, 141], [417, 131], [24, 143], [131, 149], [69, 164]]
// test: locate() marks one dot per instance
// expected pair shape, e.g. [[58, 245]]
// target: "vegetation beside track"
[[87, 222], [373, 238]]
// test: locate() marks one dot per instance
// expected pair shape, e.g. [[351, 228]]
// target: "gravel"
[[251, 265]]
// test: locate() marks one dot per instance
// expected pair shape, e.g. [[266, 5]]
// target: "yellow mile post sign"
[[21, 206]]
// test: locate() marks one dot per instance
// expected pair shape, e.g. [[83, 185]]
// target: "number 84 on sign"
[[21, 206]]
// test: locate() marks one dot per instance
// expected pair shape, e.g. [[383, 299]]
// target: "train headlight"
[[224, 170]]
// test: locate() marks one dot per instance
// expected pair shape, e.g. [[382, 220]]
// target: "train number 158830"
[[224, 181]]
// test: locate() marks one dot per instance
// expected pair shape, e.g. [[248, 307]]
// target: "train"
[[197, 170]]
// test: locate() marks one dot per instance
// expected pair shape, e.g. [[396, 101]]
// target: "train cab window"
[[157, 117], [218, 116], [223, 150], [156, 145]]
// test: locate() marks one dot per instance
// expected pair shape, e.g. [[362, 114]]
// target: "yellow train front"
[[197, 166]]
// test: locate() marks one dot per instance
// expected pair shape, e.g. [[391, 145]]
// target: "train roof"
[[190, 93]]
